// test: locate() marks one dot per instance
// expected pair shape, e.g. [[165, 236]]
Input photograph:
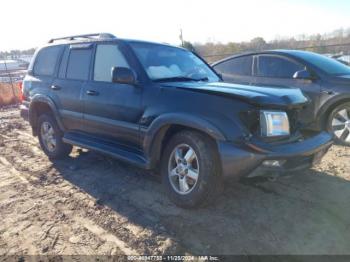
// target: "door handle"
[[54, 87], [91, 92], [328, 92]]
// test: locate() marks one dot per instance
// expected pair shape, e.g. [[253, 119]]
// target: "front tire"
[[338, 124], [50, 138], [190, 169]]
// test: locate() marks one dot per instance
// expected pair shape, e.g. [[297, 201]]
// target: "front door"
[[274, 70], [111, 110]]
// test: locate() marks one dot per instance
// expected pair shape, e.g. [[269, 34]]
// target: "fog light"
[[273, 163]]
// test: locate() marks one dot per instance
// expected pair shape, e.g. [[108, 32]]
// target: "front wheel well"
[[164, 135], [329, 110]]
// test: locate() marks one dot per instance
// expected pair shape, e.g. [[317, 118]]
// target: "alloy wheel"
[[48, 136], [341, 125], [183, 169]]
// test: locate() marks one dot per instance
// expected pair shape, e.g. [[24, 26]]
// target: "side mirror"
[[123, 75], [303, 74]]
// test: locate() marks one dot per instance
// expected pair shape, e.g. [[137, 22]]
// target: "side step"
[[107, 147]]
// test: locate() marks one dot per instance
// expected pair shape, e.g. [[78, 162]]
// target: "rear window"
[[46, 60], [79, 64]]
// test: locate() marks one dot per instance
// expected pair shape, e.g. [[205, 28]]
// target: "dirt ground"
[[93, 204]]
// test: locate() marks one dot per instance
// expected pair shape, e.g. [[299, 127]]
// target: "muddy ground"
[[93, 204]]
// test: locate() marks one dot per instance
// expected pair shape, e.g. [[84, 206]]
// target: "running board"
[[107, 147]]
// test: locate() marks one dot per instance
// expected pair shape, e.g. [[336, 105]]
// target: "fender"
[[161, 123], [48, 101], [329, 104]]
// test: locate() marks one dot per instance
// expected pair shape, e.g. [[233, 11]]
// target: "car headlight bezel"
[[274, 123]]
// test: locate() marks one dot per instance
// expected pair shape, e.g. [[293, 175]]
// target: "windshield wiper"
[[180, 79]]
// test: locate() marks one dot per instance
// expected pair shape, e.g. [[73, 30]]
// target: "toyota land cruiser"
[[159, 106]]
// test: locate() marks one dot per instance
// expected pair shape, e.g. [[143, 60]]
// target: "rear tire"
[[338, 124], [50, 138], [190, 169]]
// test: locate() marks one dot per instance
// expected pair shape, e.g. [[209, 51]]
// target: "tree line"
[[336, 42], [13, 54]]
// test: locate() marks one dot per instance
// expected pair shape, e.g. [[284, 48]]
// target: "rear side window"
[[236, 66], [107, 56], [46, 60], [277, 67], [79, 64]]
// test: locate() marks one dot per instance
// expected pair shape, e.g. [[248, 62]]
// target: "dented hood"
[[281, 97]]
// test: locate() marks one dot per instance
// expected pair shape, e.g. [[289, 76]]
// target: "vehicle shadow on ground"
[[304, 214]]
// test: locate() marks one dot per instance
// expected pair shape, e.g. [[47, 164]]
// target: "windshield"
[[171, 63], [326, 64]]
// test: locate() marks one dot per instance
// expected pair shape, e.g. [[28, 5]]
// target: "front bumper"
[[248, 159]]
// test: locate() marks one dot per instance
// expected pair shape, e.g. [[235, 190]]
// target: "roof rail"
[[88, 36]]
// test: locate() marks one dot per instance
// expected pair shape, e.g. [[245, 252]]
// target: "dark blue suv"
[[324, 80], [160, 106]]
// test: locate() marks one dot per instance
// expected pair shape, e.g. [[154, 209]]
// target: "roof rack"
[[87, 36]]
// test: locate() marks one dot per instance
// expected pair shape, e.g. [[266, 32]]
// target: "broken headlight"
[[274, 123]]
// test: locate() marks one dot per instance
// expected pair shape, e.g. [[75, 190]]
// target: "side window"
[[46, 60], [236, 66], [107, 56], [63, 66], [79, 64], [277, 67]]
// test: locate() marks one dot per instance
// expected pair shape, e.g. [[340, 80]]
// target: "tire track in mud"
[[44, 177], [116, 201], [75, 221]]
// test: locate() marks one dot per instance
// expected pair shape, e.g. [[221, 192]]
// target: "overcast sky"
[[29, 23]]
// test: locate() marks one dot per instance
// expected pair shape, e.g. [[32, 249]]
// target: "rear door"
[[276, 70], [236, 70], [44, 70], [67, 87], [111, 110]]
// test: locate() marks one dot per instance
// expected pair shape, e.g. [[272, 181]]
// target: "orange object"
[[20, 85]]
